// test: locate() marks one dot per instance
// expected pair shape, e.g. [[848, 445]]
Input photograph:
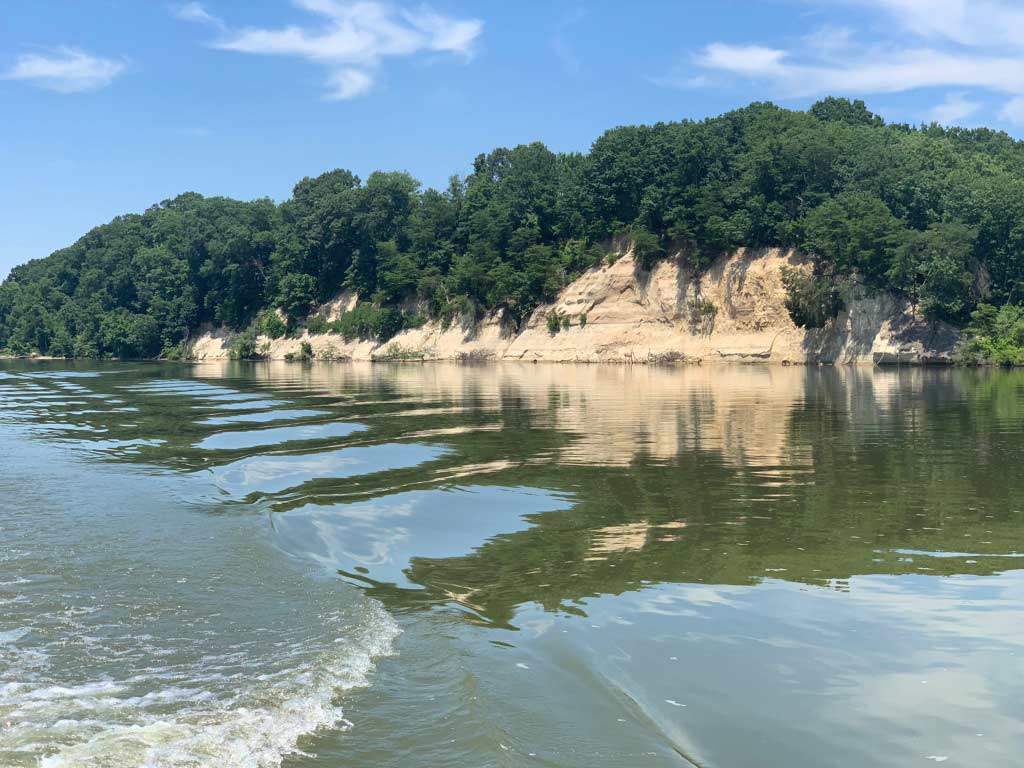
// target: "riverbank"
[[734, 311]]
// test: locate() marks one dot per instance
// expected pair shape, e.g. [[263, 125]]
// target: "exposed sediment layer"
[[734, 311]]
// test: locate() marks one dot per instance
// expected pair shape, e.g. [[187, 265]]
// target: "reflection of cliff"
[[616, 415], [715, 475], [735, 311], [492, 486]]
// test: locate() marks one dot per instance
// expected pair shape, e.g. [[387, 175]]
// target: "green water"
[[516, 565]]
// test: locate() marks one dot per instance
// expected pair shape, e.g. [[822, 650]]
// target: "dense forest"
[[936, 214]]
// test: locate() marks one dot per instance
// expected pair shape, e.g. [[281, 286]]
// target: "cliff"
[[734, 311]]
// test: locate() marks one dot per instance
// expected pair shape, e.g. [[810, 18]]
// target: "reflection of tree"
[[690, 523], [725, 475]]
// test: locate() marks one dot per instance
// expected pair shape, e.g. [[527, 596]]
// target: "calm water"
[[521, 565]]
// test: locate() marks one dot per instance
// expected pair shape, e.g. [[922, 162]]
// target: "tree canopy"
[[934, 213]]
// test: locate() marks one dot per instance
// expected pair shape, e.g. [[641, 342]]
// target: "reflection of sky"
[[263, 416], [384, 535], [258, 437], [892, 672], [273, 474], [243, 405]]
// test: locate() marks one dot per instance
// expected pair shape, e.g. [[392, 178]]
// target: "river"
[[274, 564]]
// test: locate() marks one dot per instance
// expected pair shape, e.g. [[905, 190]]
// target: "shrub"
[[994, 336], [583, 320], [811, 301], [395, 352], [367, 321], [460, 306], [243, 345], [565, 323], [647, 248], [702, 313], [317, 325], [173, 351], [554, 322], [271, 324]]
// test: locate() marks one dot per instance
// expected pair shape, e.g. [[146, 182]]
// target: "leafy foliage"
[[811, 301], [934, 213], [994, 336]]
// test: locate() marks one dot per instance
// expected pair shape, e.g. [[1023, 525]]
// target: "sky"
[[110, 106]]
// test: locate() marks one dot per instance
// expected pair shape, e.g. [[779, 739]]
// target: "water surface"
[[422, 565]]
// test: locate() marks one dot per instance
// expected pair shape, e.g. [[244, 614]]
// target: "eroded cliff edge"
[[733, 311]]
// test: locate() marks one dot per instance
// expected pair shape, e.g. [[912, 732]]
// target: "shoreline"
[[478, 362]]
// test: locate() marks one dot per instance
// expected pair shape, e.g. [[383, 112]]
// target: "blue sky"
[[109, 106]]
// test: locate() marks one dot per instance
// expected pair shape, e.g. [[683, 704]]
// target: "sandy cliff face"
[[734, 311]]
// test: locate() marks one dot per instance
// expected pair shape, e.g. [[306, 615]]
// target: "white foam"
[[252, 722]]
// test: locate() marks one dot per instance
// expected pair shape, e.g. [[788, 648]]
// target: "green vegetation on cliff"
[[935, 214]]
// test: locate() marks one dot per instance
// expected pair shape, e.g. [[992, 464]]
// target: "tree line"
[[933, 213]]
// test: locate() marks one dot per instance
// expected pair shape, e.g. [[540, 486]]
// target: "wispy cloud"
[[351, 40], [65, 70], [967, 22], [561, 41], [197, 12], [956, 108], [874, 70], [1013, 111], [966, 44]]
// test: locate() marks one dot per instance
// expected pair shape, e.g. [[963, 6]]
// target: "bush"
[[243, 345], [317, 325], [565, 323], [811, 301], [647, 248], [702, 313], [271, 324], [367, 321], [173, 351], [460, 306], [583, 320], [554, 322], [304, 355], [395, 352], [994, 336]]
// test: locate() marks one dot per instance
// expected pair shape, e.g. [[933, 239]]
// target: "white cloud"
[[746, 60], [65, 70], [348, 83], [954, 109], [352, 39], [873, 71], [197, 13], [967, 22], [1013, 111], [830, 41], [966, 44]]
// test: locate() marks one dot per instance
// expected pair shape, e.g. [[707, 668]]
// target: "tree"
[[295, 295], [934, 213]]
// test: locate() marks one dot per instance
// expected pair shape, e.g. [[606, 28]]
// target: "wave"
[[234, 715]]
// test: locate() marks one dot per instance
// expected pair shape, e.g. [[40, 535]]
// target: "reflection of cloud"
[[387, 534], [978, 608], [891, 672], [273, 474]]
